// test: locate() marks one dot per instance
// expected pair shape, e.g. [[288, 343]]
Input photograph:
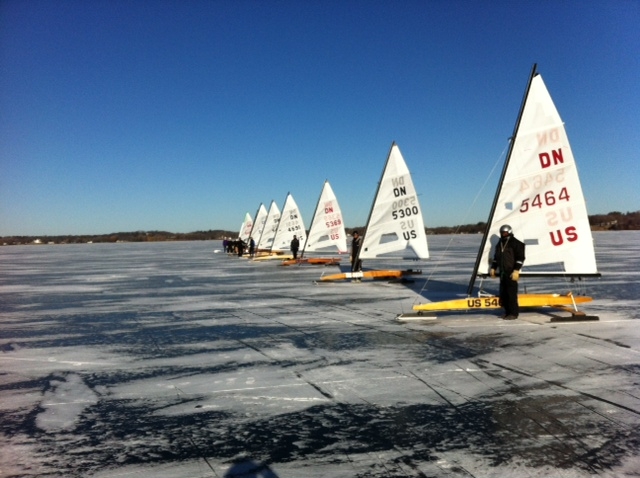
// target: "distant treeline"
[[138, 236], [614, 221]]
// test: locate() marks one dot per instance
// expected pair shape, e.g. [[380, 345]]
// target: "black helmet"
[[506, 228]]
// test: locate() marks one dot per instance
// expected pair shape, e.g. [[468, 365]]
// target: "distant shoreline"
[[613, 221]]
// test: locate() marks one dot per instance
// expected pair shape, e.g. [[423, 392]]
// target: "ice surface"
[[168, 359]]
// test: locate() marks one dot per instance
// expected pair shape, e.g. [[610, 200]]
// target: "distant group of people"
[[238, 246]]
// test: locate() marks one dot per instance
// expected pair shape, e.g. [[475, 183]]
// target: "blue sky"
[[184, 115]]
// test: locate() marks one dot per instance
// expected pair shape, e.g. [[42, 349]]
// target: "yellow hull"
[[312, 260], [493, 302], [381, 274], [274, 256]]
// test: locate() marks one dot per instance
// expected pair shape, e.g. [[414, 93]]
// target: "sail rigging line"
[[512, 141], [464, 219]]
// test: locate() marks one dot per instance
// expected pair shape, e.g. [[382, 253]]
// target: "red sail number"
[[545, 199]]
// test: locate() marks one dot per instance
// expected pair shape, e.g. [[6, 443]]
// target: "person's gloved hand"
[[492, 273], [515, 275]]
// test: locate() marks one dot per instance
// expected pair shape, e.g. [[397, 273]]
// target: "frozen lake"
[[170, 360]]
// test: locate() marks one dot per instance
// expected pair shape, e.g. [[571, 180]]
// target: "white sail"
[[541, 197], [291, 224], [395, 223], [259, 223], [245, 229], [270, 227], [327, 228]]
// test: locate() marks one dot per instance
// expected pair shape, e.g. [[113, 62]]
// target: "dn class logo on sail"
[[553, 192]]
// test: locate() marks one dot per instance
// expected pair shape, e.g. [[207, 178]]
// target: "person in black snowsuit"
[[295, 245], [507, 261], [356, 243]]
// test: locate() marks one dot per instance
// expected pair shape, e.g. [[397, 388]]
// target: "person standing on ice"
[[295, 245], [507, 261], [356, 243]]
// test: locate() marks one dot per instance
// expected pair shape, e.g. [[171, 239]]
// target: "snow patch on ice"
[[64, 403]]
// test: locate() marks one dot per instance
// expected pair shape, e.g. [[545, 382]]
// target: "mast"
[[472, 281], [375, 197]]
